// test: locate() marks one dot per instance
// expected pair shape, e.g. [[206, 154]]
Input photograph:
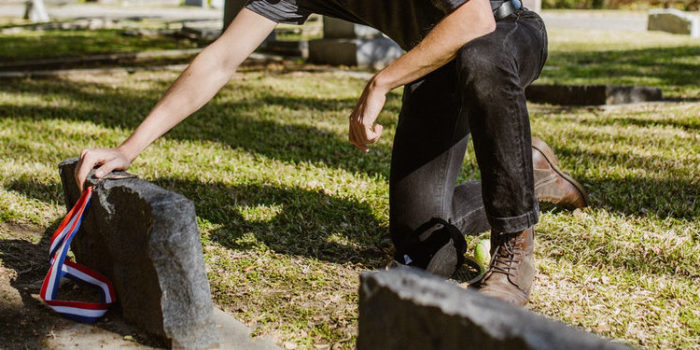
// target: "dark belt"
[[503, 9]]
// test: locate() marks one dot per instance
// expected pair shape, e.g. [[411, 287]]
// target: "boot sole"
[[548, 154]]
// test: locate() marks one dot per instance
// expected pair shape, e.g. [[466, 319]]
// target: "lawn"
[[290, 213], [669, 62], [33, 45], [28, 45]]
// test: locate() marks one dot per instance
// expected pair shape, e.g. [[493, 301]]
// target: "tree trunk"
[[598, 4]]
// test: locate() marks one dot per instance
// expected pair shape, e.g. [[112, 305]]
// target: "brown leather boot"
[[512, 270], [553, 185]]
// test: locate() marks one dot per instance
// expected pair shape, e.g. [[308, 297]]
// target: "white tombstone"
[[36, 11], [350, 44], [334, 28]]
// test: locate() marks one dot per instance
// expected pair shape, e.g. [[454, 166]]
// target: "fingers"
[[363, 130], [90, 158], [107, 168], [374, 133], [356, 139], [83, 167], [362, 135]]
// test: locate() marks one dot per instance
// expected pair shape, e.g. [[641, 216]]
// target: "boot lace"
[[504, 260]]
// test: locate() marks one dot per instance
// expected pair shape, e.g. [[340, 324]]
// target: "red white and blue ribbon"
[[60, 267]]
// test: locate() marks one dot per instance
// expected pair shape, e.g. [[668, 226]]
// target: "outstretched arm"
[[440, 46], [208, 72]]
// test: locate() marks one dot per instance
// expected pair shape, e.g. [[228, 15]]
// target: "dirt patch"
[[25, 322]]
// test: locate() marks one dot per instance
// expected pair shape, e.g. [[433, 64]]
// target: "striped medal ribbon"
[[59, 267]]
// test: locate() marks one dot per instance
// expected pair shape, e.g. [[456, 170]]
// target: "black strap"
[[503, 9], [421, 252]]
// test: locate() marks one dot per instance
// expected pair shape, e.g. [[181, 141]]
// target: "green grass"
[[658, 59], [290, 213], [29, 45]]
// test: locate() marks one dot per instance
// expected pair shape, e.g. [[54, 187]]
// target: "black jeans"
[[480, 92]]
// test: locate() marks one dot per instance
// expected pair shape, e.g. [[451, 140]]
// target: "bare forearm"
[[205, 76], [195, 86], [440, 46], [209, 71]]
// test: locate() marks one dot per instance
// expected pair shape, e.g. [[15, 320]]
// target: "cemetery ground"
[[62, 43], [290, 213]]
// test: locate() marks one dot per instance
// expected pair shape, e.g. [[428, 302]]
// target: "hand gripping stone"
[[145, 240]]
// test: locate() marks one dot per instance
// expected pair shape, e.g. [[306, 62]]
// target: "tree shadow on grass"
[[688, 124], [44, 192], [637, 195], [66, 43], [298, 222], [235, 124], [669, 65], [623, 118], [290, 221], [20, 326]]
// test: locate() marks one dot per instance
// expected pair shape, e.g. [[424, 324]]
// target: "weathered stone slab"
[[409, 309], [286, 48], [350, 44], [197, 3], [581, 95], [145, 240], [374, 53], [334, 28], [674, 21]]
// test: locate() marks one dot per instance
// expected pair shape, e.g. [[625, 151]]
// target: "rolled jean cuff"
[[515, 223]]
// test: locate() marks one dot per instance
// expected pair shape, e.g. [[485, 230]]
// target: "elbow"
[[224, 64], [214, 57], [227, 68], [488, 26], [487, 21], [481, 28]]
